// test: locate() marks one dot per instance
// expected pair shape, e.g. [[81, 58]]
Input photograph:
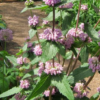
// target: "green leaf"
[[2, 24], [92, 32], [42, 85], [10, 92], [95, 96], [84, 54], [49, 51], [26, 76], [63, 86], [68, 55], [82, 72], [24, 47], [13, 60], [35, 60], [32, 32]]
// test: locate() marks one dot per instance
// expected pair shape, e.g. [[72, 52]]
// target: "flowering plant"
[[46, 75]]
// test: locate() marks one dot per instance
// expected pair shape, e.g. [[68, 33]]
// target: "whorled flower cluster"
[[84, 7], [67, 5], [29, 3], [37, 50], [45, 22], [47, 92], [33, 21], [24, 84], [94, 64], [51, 2], [80, 92], [21, 60], [6, 35], [98, 89], [18, 96], [48, 34], [49, 68], [79, 33]]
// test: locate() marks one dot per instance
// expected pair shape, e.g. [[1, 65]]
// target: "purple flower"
[[29, 44], [98, 89], [48, 68], [6, 34], [27, 39], [24, 84], [79, 90], [83, 36], [81, 26], [84, 7], [67, 5], [37, 50], [94, 64], [18, 96], [33, 21], [21, 60], [51, 2], [45, 22], [49, 35]]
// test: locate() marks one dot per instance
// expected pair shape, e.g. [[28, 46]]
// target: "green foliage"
[[32, 32], [95, 96]]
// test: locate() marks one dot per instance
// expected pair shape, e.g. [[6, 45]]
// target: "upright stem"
[[63, 62], [38, 38], [50, 94], [58, 57], [78, 17], [97, 23], [31, 12], [53, 28]]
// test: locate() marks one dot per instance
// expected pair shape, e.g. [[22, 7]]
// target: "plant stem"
[[63, 62], [31, 12], [59, 58], [78, 17], [70, 62], [97, 23], [50, 94], [87, 83], [38, 38]]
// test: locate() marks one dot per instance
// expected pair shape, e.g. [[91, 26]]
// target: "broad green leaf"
[[95, 96], [24, 47], [42, 85], [32, 32], [82, 72], [68, 55], [13, 60], [35, 60], [84, 54], [49, 51], [10, 92], [63, 86], [92, 32], [26, 76]]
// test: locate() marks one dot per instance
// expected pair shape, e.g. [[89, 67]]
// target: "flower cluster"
[[79, 90], [84, 7], [33, 21], [67, 5], [45, 22], [29, 3], [48, 34], [21, 60], [24, 84], [49, 68], [79, 33], [18, 96], [6, 34], [98, 89], [37, 50], [47, 92], [51, 2], [94, 64]]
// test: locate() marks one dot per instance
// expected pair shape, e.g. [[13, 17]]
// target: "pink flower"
[[33, 21], [27, 39], [84, 7], [45, 22], [81, 26], [6, 34], [48, 68], [37, 50], [24, 84], [21, 60], [67, 5], [29, 44], [79, 90], [18, 96], [83, 36], [49, 35], [51, 2], [98, 89]]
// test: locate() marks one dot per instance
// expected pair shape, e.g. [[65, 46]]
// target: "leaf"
[[95, 96], [63, 86], [82, 72], [24, 47], [92, 32], [10, 92], [49, 51], [32, 32], [26, 76], [35, 60], [13, 60], [84, 54], [42, 85], [68, 55]]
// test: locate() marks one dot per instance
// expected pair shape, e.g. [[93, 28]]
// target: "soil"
[[17, 22]]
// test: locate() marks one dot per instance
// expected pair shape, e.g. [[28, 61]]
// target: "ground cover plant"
[[37, 71]]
